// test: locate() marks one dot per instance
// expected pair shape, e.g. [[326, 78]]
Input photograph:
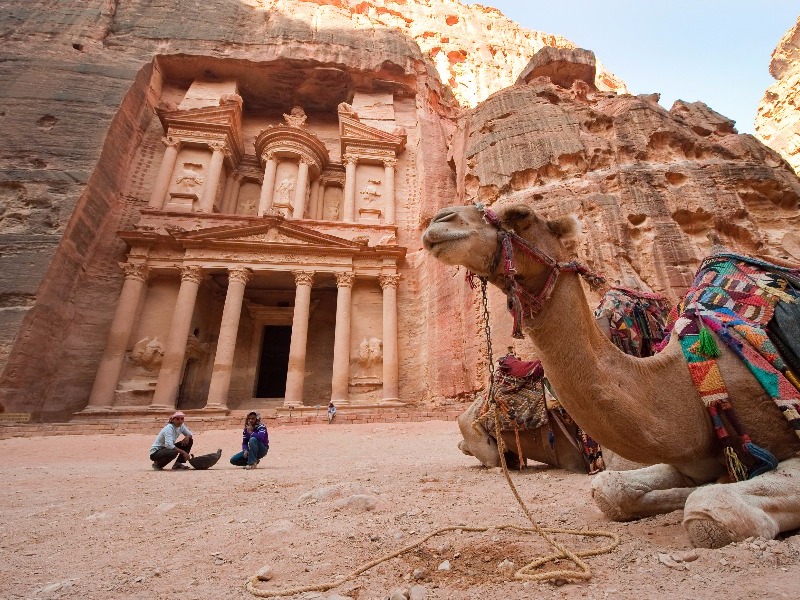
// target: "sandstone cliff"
[[83, 77], [778, 118]]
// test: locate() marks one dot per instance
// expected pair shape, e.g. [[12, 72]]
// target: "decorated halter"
[[521, 302]]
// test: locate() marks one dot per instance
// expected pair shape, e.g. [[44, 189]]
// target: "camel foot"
[[706, 533], [718, 514]]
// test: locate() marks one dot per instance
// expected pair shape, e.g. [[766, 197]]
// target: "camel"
[[616, 308], [645, 409]]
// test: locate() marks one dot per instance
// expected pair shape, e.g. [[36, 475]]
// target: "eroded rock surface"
[[778, 118]]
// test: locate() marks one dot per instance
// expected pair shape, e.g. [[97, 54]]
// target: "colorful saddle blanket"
[[636, 319], [736, 297]]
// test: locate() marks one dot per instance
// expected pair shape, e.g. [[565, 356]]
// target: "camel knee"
[[654, 490], [719, 514]]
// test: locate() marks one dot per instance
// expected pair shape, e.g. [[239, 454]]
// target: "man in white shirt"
[[166, 447]]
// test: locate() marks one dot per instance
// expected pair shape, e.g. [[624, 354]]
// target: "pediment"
[[275, 232], [224, 115], [353, 131]]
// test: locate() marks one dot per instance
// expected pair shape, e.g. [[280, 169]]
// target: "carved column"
[[267, 188], [390, 361], [226, 344], [388, 190], [169, 376], [212, 181], [301, 187], [295, 378], [105, 382], [320, 200], [349, 209], [161, 186], [233, 200], [313, 198], [341, 345]]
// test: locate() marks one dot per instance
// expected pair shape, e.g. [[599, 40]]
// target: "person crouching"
[[255, 443], [166, 447]]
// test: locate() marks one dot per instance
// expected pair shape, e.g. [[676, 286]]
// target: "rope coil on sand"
[[526, 573]]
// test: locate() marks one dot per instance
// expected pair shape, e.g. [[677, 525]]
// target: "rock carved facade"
[[222, 220]]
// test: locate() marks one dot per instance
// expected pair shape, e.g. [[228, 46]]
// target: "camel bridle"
[[521, 302]]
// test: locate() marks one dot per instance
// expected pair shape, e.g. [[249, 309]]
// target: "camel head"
[[463, 235]]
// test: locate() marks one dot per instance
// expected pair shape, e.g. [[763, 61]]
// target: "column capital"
[[240, 274], [268, 155], [171, 142], [390, 163], [305, 160], [345, 279], [218, 146], [192, 273], [303, 277], [139, 272], [388, 281], [350, 159]]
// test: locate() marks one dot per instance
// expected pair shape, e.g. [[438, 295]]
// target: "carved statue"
[[332, 208], [372, 191], [285, 191], [147, 353], [297, 118], [190, 177], [370, 352]]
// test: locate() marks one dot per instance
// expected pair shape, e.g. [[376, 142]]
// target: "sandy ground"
[[86, 517]]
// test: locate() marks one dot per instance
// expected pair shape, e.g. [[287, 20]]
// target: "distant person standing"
[[255, 443], [331, 411], [167, 447]]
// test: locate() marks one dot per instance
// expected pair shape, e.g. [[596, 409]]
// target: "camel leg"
[[719, 514], [628, 495]]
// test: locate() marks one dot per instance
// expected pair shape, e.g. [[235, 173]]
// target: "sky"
[[715, 51]]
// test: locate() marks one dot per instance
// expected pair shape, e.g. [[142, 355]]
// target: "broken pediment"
[[354, 133]]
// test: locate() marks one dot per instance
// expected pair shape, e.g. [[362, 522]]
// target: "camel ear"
[[565, 226], [517, 216]]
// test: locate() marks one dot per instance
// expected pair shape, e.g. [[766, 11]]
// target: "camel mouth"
[[434, 239]]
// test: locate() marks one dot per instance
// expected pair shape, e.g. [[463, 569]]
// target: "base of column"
[[160, 408], [95, 410], [292, 404], [390, 402], [216, 408]]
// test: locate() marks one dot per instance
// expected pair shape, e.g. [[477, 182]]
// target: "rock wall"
[[82, 78], [778, 117]]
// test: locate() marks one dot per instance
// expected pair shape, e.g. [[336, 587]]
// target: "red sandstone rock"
[[82, 151], [778, 118]]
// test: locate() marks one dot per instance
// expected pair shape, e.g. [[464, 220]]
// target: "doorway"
[[274, 364]]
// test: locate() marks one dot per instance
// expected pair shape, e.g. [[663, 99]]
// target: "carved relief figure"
[[372, 191], [332, 209], [284, 193], [190, 177], [370, 352]]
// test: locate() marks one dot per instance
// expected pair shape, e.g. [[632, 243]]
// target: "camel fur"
[[645, 409]]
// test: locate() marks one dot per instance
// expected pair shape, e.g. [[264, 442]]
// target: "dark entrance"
[[274, 361]]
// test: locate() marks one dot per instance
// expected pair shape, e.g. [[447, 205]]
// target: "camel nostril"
[[445, 215]]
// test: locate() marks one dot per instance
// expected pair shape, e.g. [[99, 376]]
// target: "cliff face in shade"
[[81, 151], [778, 117]]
